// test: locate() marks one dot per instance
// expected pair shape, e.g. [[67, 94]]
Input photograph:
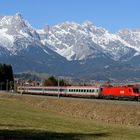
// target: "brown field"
[[104, 112]]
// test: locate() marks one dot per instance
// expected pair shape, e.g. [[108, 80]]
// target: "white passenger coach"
[[62, 91]]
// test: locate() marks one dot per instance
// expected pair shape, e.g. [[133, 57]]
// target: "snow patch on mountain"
[[132, 37], [6, 40], [40, 31]]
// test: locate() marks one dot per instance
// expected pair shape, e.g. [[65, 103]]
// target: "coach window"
[[93, 90]]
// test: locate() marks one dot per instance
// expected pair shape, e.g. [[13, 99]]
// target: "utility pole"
[[58, 88], [7, 85], [15, 86]]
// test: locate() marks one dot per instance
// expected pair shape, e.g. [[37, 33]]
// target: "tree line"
[[52, 81], [6, 77]]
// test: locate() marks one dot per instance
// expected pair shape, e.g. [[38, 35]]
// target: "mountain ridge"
[[68, 48], [64, 38]]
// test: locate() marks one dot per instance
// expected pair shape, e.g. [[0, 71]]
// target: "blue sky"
[[110, 14]]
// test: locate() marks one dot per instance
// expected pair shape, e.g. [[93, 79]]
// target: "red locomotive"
[[120, 92]]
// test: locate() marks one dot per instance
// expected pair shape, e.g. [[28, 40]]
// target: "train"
[[109, 92]]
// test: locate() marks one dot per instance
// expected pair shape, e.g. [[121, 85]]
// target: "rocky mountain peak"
[[87, 23], [18, 15], [16, 33], [46, 28]]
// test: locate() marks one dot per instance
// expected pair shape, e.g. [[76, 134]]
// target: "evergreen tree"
[[52, 81], [6, 77]]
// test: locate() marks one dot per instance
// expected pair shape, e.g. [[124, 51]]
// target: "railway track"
[[108, 101]]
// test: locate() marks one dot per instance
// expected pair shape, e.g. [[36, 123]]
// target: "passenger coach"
[[91, 91]]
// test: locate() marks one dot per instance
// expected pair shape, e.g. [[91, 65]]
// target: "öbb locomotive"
[[129, 92]]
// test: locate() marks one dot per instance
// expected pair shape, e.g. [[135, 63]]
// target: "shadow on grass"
[[46, 135]]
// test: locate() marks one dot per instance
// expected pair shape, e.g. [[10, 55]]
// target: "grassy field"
[[19, 120]]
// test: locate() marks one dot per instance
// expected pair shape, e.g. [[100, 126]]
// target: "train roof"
[[120, 86], [61, 86]]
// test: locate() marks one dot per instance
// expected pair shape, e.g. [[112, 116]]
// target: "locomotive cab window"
[[135, 90]]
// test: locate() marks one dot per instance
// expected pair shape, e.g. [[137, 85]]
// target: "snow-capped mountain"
[[78, 42], [71, 40], [68, 48], [16, 34], [20, 46]]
